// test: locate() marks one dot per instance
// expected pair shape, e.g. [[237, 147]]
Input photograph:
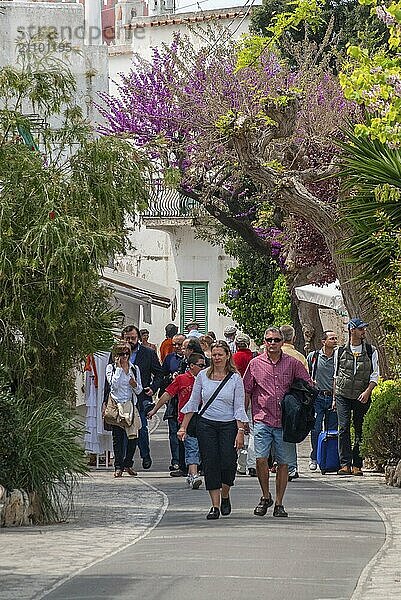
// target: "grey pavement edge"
[[111, 518], [381, 578]]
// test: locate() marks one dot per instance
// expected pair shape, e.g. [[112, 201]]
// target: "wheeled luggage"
[[327, 451]]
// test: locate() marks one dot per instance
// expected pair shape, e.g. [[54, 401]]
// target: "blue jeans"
[[322, 408], [173, 427], [267, 438], [191, 450], [292, 459]]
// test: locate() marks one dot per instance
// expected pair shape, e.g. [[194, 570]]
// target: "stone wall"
[[16, 508], [393, 475]]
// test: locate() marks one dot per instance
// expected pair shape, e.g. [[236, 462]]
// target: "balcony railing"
[[168, 203]]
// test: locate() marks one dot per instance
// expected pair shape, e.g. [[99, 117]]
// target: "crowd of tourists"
[[229, 409]]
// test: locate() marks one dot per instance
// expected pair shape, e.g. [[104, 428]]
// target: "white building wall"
[[168, 259], [23, 20]]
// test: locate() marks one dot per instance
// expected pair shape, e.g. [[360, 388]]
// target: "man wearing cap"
[[242, 356], [356, 372], [229, 335], [192, 329]]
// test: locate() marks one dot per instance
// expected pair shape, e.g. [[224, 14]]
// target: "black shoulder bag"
[[193, 423]]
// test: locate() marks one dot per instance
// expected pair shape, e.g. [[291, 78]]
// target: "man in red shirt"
[[267, 379], [181, 387], [243, 355]]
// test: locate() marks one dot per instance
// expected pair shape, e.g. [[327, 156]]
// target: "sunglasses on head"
[[271, 340]]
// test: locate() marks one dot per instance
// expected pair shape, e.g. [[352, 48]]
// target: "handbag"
[[111, 414], [193, 423], [171, 411]]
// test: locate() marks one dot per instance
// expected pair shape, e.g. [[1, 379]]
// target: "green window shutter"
[[194, 304]]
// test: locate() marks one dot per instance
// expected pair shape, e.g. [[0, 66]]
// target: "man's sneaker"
[[147, 462], [346, 470], [252, 472], [188, 480], [174, 467], [312, 465], [178, 473], [357, 471], [196, 482], [293, 475], [279, 511]]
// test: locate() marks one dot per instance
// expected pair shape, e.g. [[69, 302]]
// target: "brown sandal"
[[263, 505], [130, 471], [118, 473]]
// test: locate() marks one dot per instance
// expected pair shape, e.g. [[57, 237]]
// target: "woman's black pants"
[[124, 448], [219, 457]]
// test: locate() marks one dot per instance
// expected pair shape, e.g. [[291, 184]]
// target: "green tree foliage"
[[372, 79], [382, 424], [254, 292], [372, 178], [350, 22], [64, 201]]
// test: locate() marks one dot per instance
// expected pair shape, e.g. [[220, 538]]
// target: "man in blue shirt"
[[321, 369]]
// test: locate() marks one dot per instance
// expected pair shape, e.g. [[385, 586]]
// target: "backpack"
[[313, 365]]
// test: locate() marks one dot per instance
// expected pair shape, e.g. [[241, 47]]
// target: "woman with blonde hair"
[[219, 399]]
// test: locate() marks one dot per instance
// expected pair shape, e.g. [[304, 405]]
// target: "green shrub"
[[39, 453], [10, 430], [382, 425]]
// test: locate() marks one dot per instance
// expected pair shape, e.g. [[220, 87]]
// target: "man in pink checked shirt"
[[267, 379]]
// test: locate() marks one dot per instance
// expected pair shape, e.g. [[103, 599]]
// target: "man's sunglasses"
[[271, 340], [200, 365]]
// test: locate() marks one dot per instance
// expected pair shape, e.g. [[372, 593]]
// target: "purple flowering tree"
[[252, 145]]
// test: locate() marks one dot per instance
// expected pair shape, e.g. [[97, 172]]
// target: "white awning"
[[327, 295], [140, 291]]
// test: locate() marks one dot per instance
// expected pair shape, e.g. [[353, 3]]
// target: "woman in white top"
[[125, 384], [220, 429]]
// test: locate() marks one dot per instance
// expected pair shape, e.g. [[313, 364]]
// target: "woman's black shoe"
[[225, 506], [213, 513]]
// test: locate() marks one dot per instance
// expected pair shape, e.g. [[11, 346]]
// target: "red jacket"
[[241, 359]]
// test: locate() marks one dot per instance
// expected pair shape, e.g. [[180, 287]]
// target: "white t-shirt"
[[229, 404]]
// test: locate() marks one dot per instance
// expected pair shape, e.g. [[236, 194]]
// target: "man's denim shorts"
[[191, 450], [266, 437]]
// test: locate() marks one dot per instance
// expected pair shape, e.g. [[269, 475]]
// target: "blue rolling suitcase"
[[327, 451]]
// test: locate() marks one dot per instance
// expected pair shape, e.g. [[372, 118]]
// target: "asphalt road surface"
[[316, 554]]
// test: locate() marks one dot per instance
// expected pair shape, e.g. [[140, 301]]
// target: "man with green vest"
[[356, 372]]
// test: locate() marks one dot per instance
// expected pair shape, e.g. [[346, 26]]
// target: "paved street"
[[330, 541]]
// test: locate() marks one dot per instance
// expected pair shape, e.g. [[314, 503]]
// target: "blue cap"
[[357, 323]]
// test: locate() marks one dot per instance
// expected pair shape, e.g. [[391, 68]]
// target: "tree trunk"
[[289, 194]]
